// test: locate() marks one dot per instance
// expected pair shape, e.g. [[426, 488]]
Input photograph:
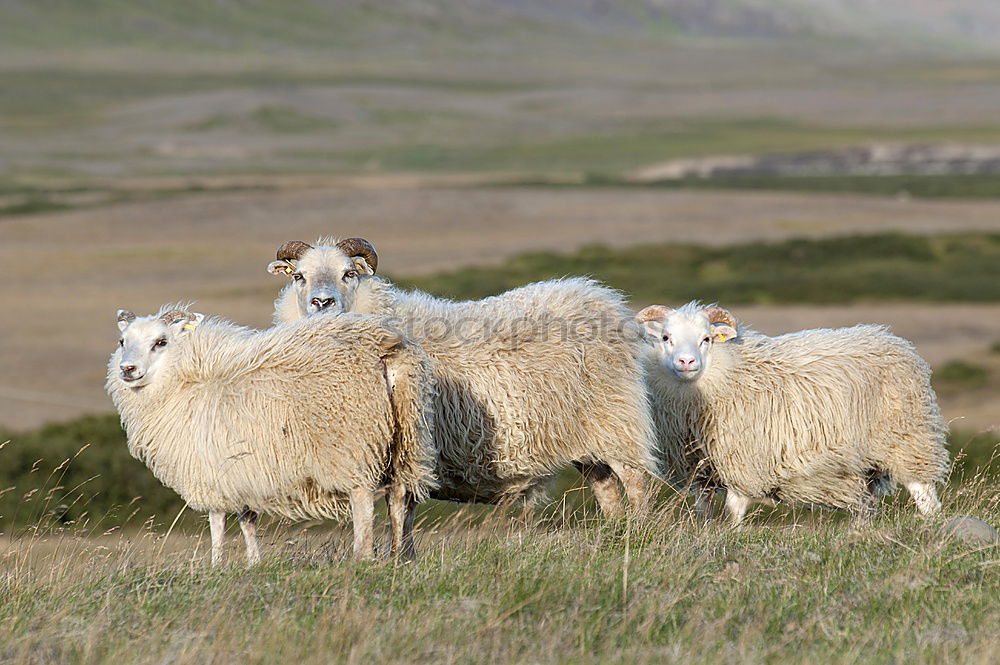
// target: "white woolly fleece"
[[821, 417], [531, 381], [286, 420]]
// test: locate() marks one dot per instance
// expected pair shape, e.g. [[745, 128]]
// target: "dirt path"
[[66, 274]]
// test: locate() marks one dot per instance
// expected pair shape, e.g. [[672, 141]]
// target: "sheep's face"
[[145, 343], [324, 279], [684, 337]]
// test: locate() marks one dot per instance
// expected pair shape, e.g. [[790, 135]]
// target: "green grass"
[[956, 267], [958, 376], [584, 591], [35, 200], [624, 145], [278, 119], [77, 472], [33, 206], [920, 186]]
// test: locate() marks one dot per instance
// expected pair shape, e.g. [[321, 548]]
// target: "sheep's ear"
[[188, 325], [653, 328], [280, 268], [362, 266], [651, 319], [723, 332], [125, 317]]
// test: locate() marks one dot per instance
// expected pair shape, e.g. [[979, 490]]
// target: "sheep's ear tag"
[[722, 332], [281, 267], [191, 325], [362, 266]]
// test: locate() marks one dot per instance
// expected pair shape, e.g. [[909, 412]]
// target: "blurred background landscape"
[[804, 163]]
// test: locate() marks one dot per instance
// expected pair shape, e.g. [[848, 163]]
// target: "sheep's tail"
[[411, 393]]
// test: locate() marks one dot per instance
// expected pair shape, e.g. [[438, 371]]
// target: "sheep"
[[303, 420], [529, 381], [818, 417]]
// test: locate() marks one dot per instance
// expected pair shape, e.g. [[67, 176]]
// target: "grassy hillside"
[[920, 186], [109, 89], [575, 591], [327, 24]]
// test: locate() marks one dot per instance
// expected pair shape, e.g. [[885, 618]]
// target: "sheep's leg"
[[636, 484], [248, 524], [865, 510], [402, 509], [217, 527], [363, 518], [702, 502], [736, 504], [925, 497], [604, 485]]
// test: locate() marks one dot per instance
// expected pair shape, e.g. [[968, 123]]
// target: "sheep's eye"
[[298, 277], [160, 343], [350, 274], [666, 338], [706, 340]]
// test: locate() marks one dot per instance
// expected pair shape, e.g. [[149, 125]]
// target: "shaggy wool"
[[286, 420], [528, 381], [822, 417]]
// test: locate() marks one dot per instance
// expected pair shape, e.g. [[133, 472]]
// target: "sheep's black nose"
[[321, 303]]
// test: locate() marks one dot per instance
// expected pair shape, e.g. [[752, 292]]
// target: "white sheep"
[[300, 420], [529, 381], [820, 417]]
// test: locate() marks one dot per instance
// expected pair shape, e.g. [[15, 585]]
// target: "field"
[[160, 152], [571, 588]]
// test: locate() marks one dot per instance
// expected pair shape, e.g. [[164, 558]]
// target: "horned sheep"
[[820, 417], [305, 420], [529, 381]]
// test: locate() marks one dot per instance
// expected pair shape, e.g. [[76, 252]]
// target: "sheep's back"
[[532, 379]]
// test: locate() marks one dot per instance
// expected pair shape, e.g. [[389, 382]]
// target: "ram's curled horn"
[[652, 313], [293, 249], [175, 315], [360, 247], [717, 314], [126, 316]]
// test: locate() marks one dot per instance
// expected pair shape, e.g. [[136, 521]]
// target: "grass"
[[32, 206], [958, 376], [134, 585], [581, 590], [919, 186], [34, 200], [277, 119], [955, 267], [624, 145]]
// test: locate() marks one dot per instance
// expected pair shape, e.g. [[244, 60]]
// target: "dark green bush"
[[958, 375], [847, 269], [77, 471]]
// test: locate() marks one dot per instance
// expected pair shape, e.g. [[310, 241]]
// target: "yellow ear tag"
[[719, 337], [190, 326]]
